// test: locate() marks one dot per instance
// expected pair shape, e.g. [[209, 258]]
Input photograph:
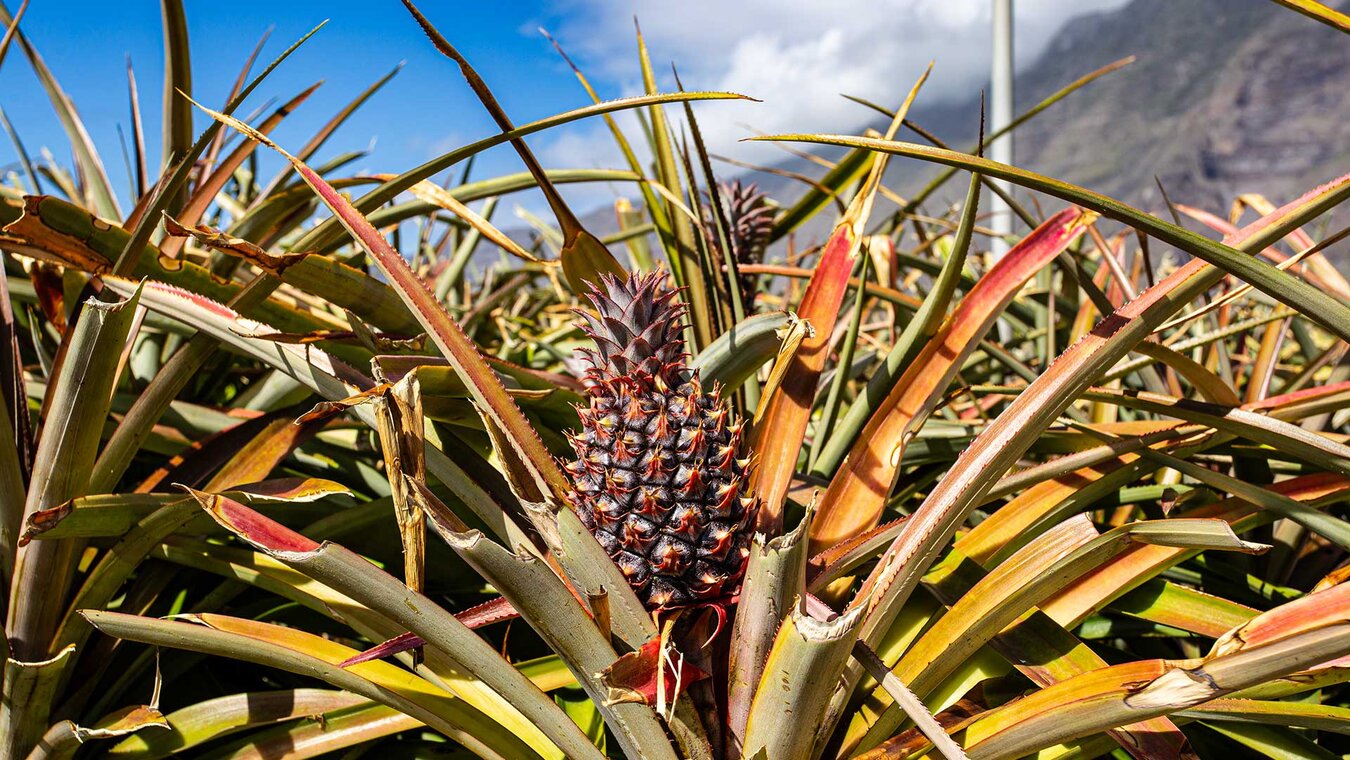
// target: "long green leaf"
[[150, 218], [213, 718], [352, 575], [177, 89], [1033, 574], [1087, 704], [86, 156], [326, 376], [291, 650], [1321, 307], [331, 232], [486, 388], [321, 734], [79, 402], [998, 447]]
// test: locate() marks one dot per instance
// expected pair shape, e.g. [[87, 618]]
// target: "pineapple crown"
[[636, 329], [751, 219]]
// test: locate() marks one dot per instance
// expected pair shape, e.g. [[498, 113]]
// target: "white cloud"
[[796, 56]]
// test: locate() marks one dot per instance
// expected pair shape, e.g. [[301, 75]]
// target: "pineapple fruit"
[[749, 217], [658, 477]]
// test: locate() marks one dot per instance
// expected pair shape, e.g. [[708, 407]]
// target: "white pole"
[[1001, 97], [1001, 150]]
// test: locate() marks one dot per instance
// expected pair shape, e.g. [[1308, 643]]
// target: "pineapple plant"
[[658, 478]]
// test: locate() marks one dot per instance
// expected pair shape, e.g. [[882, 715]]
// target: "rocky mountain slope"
[[1225, 97]]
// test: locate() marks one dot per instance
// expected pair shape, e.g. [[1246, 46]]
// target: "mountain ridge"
[[1225, 97]]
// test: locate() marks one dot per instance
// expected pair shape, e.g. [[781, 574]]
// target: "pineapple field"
[[336, 463]]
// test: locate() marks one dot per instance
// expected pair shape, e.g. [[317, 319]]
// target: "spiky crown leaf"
[[636, 328]]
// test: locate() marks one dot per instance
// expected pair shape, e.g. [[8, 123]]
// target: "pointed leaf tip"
[[585, 259], [263, 532]]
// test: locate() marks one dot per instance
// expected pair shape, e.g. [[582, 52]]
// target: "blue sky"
[[426, 109], [796, 55]]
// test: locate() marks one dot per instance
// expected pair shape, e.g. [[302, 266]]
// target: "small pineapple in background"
[[658, 478], [750, 219]]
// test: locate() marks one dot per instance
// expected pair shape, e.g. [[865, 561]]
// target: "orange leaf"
[[857, 493]]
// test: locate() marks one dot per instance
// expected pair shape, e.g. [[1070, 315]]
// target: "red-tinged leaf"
[[1307, 613], [266, 534], [495, 611], [484, 385], [891, 295], [1005, 440], [778, 436], [404, 642], [634, 677], [1299, 397], [857, 493], [487, 613], [1104, 584], [781, 422]]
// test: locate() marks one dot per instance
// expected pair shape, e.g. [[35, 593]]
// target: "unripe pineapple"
[[658, 479], [750, 219]]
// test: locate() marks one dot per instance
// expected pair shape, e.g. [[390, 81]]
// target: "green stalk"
[[786, 717], [30, 688], [354, 576], [77, 407], [774, 577]]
